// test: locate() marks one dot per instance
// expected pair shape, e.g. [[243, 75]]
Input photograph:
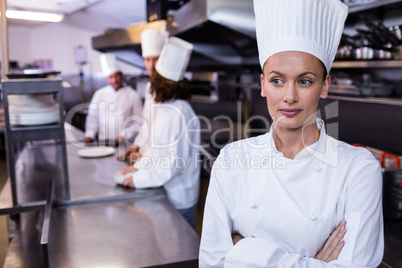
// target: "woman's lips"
[[290, 112]]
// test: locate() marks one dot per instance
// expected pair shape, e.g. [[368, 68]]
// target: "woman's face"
[[150, 63], [292, 82]]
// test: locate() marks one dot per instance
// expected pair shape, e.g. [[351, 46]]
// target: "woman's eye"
[[276, 81], [305, 82]]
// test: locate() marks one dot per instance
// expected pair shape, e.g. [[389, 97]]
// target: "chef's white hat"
[[174, 58], [152, 42], [108, 63], [312, 26]]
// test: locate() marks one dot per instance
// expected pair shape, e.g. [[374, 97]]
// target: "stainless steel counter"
[[137, 233], [102, 225]]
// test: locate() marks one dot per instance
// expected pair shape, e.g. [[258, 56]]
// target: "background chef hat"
[[152, 42], [312, 26], [108, 63], [174, 58]]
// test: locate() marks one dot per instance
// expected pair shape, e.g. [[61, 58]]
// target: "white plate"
[[94, 152], [34, 119], [54, 114], [32, 122], [31, 100], [52, 108]]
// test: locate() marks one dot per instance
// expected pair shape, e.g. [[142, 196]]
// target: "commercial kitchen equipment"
[[101, 225], [222, 32]]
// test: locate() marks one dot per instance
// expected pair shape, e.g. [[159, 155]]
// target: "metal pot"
[[344, 53], [396, 30], [363, 53], [382, 54], [369, 53]]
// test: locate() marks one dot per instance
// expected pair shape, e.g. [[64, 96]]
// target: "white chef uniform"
[[114, 113], [142, 139], [152, 42], [172, 157], [286, 209]]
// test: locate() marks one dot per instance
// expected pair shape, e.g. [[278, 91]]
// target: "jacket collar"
[[317, 149]]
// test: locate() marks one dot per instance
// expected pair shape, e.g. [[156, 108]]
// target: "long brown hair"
[[165, 90]]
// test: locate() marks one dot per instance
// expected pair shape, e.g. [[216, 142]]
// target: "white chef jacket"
[[286, 209], [172, 159], [142, 139], [114, 113]]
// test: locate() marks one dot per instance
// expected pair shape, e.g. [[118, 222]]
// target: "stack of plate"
[[35, 109]]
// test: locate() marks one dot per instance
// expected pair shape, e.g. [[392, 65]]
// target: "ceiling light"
[[36, 16]]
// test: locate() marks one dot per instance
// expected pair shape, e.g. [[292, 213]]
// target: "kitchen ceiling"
[[92, 15]]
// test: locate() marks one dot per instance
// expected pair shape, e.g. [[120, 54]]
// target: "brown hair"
[[165, 90]]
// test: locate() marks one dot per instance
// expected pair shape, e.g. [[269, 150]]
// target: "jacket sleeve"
[[363, 240], [135, 119], [92, 119]]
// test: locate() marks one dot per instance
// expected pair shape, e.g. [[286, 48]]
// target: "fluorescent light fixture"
[[36, 16]]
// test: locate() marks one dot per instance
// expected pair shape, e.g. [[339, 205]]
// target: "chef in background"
[[171, 158], [295, 196], [114, 114], [152, 42]]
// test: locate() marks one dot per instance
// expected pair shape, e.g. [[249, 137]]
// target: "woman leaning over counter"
[[172, 147], [300, 198]]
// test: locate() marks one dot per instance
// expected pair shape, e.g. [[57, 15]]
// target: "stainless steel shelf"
[[17, 134], [368, 64], [359, 8], [386, 101]]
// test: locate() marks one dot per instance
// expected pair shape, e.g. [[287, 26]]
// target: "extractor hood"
[[222, 32], [126, 43]]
